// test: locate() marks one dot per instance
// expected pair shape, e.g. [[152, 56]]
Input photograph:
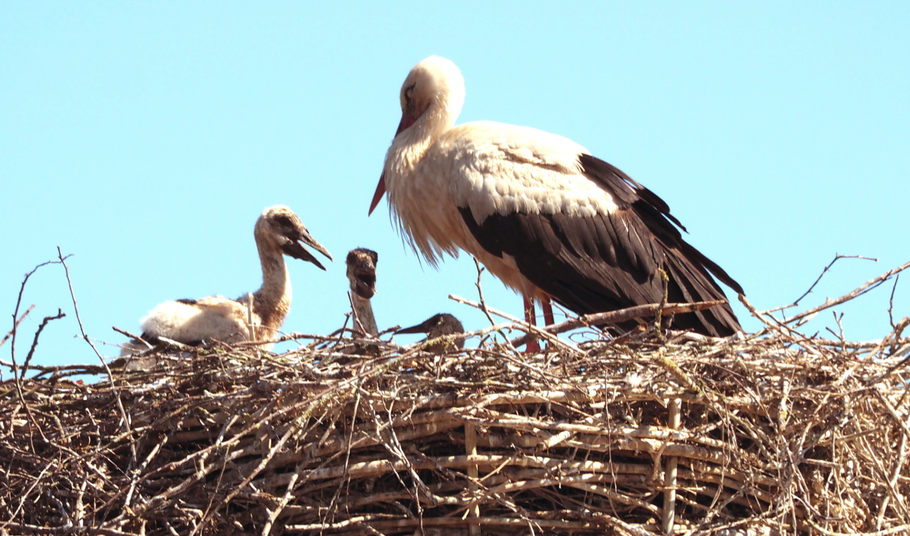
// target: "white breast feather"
[[214, 317], [497, 168], [491, 168]]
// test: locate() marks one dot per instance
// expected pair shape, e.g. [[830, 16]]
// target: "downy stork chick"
[[437, 326], [278, 232], [361, 272], [538, 210]]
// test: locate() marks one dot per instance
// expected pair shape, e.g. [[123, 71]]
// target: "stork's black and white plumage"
[[538, 210]]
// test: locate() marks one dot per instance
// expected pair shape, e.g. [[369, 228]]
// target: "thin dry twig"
[[31, 351], [520, 324], [125, 423], [859, 291], [16, 323], [837, 257], [622, 315]]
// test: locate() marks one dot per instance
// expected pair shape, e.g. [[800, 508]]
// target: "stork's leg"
[[532, 345], [547, 312], [547, 308]]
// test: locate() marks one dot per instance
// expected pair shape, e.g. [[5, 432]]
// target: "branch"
[[869, 285], [133, 336], [107, 369], [630, 313], [16, 324], [60, 314], [837, 257], [12, 350], [524, 326], [483, 305]]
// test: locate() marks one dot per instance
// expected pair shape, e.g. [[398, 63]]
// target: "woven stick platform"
[[765, 434], [774, 432]]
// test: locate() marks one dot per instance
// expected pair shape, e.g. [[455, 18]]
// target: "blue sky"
[[144, 139]]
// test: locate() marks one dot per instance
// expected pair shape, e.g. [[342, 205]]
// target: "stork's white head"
[[431, 99], [434, 93]]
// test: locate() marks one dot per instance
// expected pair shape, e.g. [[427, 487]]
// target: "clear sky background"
[[144, 139]]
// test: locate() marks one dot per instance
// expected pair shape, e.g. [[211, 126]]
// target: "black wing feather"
[[610, 261]]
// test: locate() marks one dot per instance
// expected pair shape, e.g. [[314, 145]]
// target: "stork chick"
[[437, 326], [361, 263], [278, 232]]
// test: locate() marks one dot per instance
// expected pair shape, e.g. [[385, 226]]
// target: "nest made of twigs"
[[770, 433]]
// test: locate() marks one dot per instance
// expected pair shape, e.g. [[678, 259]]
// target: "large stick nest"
[[763, 434]]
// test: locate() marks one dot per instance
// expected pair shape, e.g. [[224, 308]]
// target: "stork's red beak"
[[380, 190], [406, 121]]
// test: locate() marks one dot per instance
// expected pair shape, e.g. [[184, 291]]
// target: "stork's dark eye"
[[409, 92]]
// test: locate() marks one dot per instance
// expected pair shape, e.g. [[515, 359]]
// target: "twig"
[[470, 447], [16, 311], [16, 324], [31, 351], [249, 317], [12, 350], [859, 291], [125, 423], [891, 303], [132, 336], [24, 497], [668, 515], [658, 317], [837, 257], [285, 499], [524, 326], [483, 303], [486, 311], [33, 529], [622, 315]]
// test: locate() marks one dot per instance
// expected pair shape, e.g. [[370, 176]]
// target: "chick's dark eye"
[[283, 221]]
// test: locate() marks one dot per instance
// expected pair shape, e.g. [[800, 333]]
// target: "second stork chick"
[[278, 232], [437, 326], [361, 263]]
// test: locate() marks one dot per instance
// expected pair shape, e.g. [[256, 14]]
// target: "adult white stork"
[[537, 210]]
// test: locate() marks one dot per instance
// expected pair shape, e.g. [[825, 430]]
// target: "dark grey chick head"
[[437, 326], [361, 273], [279, 229]]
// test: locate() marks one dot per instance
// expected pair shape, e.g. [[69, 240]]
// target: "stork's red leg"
[[532, 345], [547, 312]]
